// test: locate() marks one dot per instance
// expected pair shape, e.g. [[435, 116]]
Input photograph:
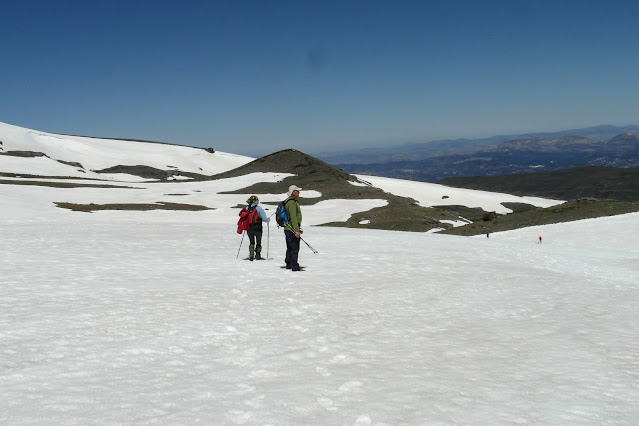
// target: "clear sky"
[[252, 77]]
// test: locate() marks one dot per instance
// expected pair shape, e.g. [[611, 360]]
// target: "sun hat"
[[293, 188]]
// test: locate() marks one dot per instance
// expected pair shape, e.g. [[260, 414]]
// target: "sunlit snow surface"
[[98, 153], [432, 194], [149, 321]]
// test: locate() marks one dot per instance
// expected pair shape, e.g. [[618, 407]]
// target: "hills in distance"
[[57, 161], [431, 162], [85, 175], [420, 150], [596, 169]]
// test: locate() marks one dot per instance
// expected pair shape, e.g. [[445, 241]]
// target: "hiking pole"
[[238, 250], [309, 246], [268, 237]]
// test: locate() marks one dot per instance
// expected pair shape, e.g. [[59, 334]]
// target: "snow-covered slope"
[[432, 194], [64, 152], [98, 154]]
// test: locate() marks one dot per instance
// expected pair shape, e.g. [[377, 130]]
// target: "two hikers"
[[252, 217]]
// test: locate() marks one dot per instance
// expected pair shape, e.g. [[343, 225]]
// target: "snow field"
[[99, 153], [120, 317], [106, 321], [432, 194]]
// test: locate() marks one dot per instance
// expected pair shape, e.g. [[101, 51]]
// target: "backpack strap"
[[285, 203], [290, 199]]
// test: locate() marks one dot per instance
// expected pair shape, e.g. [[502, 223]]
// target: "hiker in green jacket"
[[292, 231]]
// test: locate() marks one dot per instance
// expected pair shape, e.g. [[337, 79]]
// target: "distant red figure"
[[539, 240]]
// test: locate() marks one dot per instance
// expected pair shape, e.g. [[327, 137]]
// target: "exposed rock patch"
[[567, 212], [88, 208]]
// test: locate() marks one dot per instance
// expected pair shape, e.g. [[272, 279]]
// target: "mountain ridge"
[[422, 150], [525, 155], [313, 174], [31, 160]]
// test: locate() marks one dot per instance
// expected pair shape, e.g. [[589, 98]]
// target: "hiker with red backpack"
[[251, 218]]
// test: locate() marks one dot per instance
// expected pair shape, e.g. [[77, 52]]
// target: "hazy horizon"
[[251, 77]]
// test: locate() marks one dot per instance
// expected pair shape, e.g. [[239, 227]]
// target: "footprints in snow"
[[329, 404], [320, 354]]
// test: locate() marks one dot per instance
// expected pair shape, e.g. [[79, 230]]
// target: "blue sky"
[[252, 77]]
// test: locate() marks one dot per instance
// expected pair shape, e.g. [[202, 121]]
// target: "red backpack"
[[247, 216]]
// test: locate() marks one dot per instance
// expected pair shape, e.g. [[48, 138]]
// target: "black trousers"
[[255, 236], [292, 249]]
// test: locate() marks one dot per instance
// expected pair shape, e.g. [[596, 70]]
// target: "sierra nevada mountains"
[[439, 160]]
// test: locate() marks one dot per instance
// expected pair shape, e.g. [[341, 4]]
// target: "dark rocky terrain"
[[402, 214], [570, 184], [567, 212]]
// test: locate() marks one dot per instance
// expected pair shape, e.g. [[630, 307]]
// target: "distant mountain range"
[[519, 155], [415, 151]]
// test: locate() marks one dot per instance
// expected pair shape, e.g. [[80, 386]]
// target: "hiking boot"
[[251, 252], [258, 252]]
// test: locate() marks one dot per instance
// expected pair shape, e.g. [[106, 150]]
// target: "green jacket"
[[294, 214]]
